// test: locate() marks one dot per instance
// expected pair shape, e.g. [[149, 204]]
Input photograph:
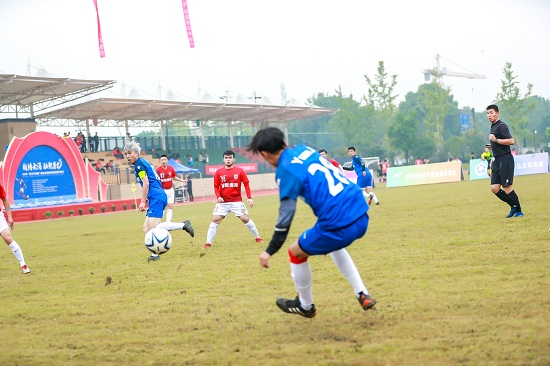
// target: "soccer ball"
[[158, 240]]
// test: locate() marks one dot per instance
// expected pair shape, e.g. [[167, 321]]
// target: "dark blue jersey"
[[143, 168], [358, 165], [302, 172]]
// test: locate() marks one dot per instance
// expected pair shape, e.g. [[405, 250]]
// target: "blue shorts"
[[364, 181], [157, 205], [316, 241]]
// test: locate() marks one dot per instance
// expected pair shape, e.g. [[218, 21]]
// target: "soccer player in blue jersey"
[[338, 204], [152, 194], [364, 177]]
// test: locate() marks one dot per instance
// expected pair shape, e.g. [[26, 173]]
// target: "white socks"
[[301, 275], [18, 254], [345, 264], [171, 225], [168, 215], [212, 229], [252, 228], [373, 196]]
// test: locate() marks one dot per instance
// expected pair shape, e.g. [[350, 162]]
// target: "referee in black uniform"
[[503, 165]]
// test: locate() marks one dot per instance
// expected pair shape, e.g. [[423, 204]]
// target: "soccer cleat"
[[366, 301], [259, 240], [378, 203], [292, 306], [206, 246], [25, 269], [153, 258], [513, 211], [519, 214], [189, 228]]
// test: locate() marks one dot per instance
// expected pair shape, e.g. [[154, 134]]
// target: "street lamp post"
[[535, 140]]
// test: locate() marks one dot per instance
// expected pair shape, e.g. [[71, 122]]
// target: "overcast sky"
[[310, 46]]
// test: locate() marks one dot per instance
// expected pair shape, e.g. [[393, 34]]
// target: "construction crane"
[[438, 72]]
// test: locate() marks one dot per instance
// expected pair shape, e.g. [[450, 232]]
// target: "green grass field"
[[456, 284]]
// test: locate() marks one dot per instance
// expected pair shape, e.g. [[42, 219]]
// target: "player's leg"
[[220, 211], [239, 210], [497, 179], [372, 195], [301, 275], [212, 230], [170, 196], [153, 218], [507, 174], [345, 263], [5, 232]]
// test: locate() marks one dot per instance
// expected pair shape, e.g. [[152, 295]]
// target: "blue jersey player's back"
[[142, 167], [302, 172]]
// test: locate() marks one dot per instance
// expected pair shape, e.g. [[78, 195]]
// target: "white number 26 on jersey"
[[335, 180]]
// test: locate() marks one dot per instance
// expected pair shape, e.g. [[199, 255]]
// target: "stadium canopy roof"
[[152, 113], [30, 94]]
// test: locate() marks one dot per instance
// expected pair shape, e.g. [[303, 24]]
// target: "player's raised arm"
[[286, 215]]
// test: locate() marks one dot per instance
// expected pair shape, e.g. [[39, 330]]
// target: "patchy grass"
[[456, 283]]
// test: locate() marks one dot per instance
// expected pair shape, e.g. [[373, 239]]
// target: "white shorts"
[[170, 195], [224, 208], [3, 223]]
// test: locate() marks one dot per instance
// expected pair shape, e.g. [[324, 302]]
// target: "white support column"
[[231, 143], [88, 135], [203, 141], [163, 134]]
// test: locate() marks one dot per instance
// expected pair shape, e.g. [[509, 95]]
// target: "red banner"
[[99, 36], [248, 168], [188, 23]]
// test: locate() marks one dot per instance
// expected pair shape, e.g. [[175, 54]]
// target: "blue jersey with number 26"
[[303, 172]]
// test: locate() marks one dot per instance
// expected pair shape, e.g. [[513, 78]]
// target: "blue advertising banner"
[[464, 122], [525, 164], [43, 177]]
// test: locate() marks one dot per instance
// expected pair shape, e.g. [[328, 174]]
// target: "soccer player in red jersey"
[[227, 187], [324, 154], [5, 231], [167, 175]]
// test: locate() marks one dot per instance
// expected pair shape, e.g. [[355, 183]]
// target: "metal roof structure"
[[152, 113], [30, 94]]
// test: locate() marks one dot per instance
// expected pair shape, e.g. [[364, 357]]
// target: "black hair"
[[492, 106], [163, 156], [351, 148], [270, 140], [229, 153], [323, 151]]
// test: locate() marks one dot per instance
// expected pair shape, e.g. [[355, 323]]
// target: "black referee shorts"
[[503, 170]]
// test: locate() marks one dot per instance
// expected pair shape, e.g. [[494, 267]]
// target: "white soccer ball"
[[158, 240]]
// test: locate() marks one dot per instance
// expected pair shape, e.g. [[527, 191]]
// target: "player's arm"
[[144, 190], [246, 184], [360, 161], [217, 188], [178, 179], [286, 214]]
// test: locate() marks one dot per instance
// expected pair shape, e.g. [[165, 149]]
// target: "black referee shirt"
[[501, 131]]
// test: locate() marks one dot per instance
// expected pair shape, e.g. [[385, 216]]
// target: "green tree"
[[436, 106], [404, 135], [352, 123], [437, 117], [381, 98], [514, 107]]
